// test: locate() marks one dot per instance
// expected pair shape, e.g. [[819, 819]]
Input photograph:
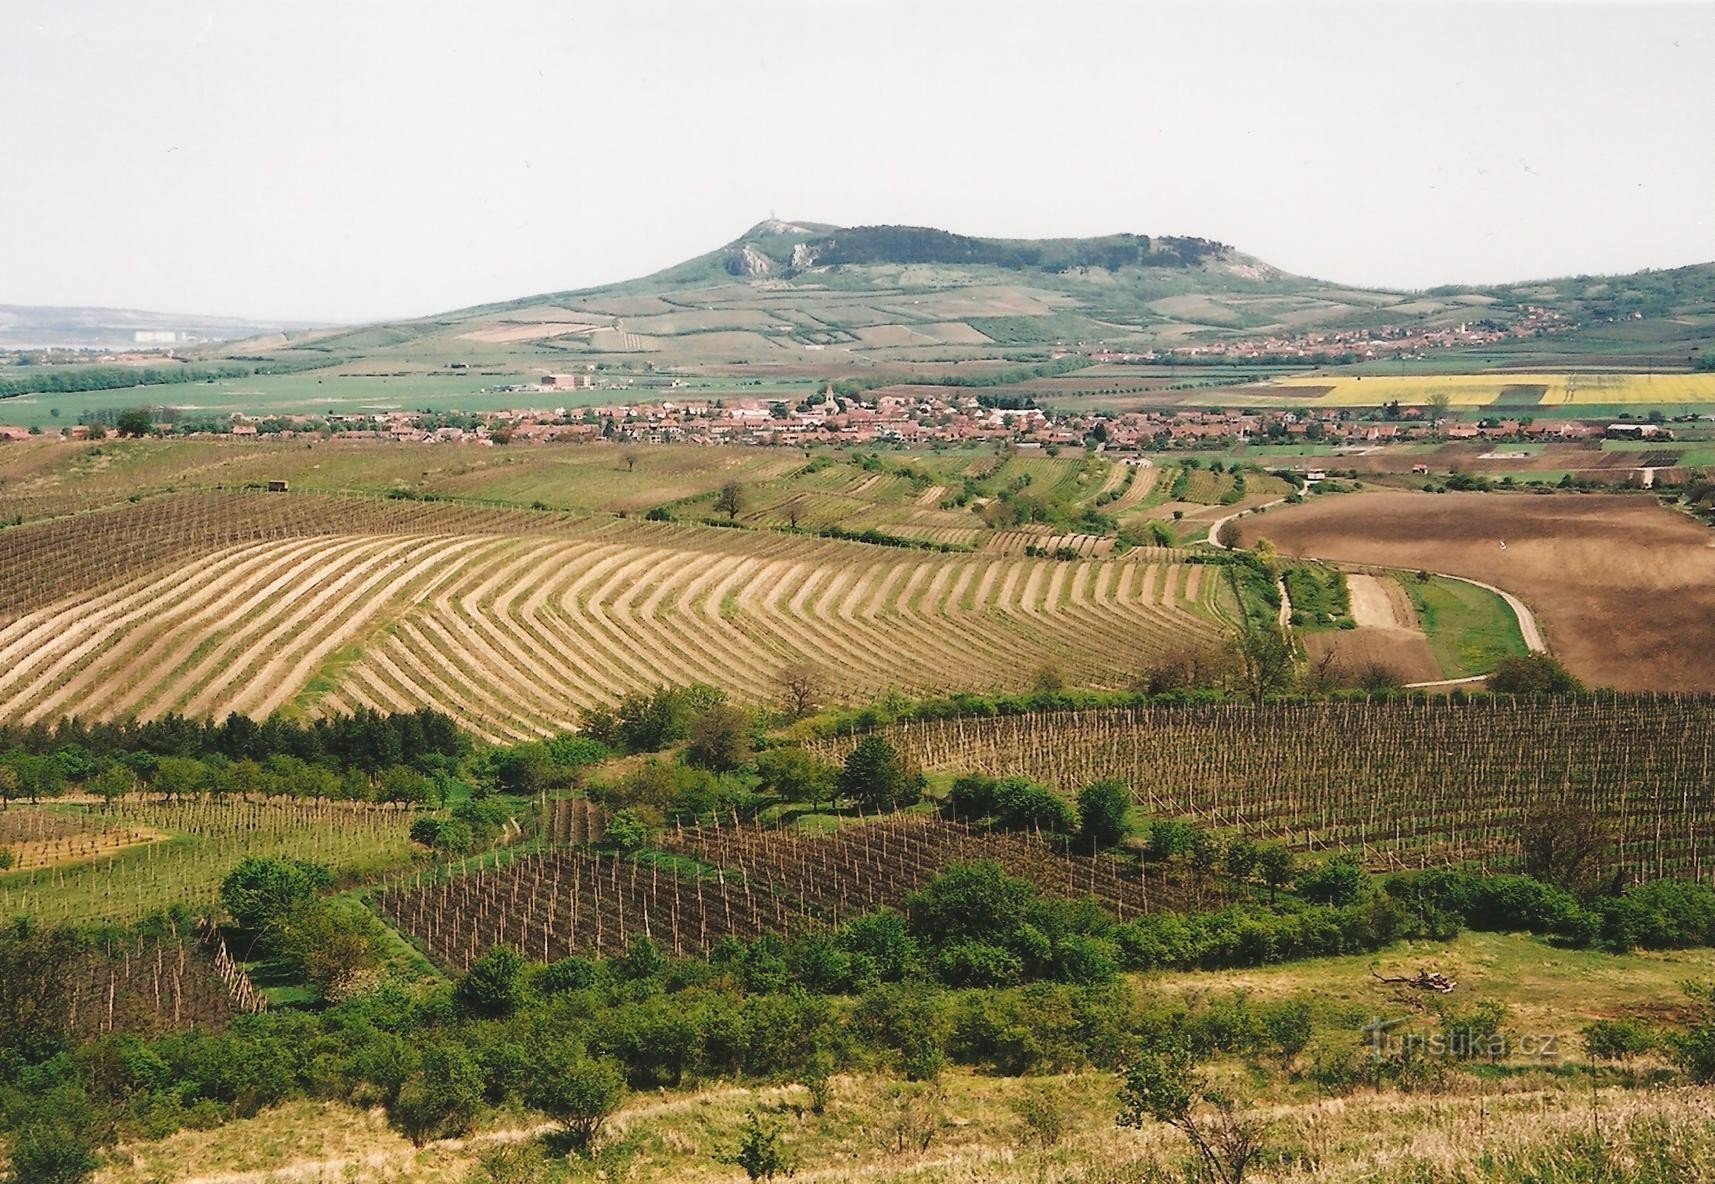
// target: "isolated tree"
[[720, 738], [1102, 810], [135, 421], [1533, 674], [801, 688], [575, 1090], [1266, 662], [1439, 402], [1565, 845], [1163, 1086], [876, 777], [629, 456], [261, 892], [730, 500]]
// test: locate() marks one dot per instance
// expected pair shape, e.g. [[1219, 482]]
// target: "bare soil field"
[[1387, 634], [1624, 588], [1403, 651]]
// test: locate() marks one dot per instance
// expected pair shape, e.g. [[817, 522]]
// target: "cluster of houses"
[[908, 415]]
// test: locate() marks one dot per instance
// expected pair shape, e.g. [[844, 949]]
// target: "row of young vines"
[[1409, 782]]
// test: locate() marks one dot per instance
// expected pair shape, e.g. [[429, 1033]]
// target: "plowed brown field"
[[1623, 587]]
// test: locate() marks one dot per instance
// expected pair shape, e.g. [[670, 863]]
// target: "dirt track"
[[1624, 589]]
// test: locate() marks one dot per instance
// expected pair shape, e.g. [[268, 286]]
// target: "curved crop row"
[[514, 635]]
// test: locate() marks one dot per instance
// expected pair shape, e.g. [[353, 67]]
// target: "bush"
[[576, 1091], [442, 1098], [1023, 805], [494, 986], [262, 892], [978, 964], [1103, 808], [52, 1153], [1339, 881], [1617, 1040], [759, 1152], [972, 796], [1533, 674]]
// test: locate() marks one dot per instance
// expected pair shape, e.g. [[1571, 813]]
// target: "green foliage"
[[1020, 804], [1169, 837], [1340, 881], [261, 893], [333, 945], [575, 1090], [1103, 808], [494, 986], [1275, 865], [1533, 674], [876, 777], [795, 775], [442, 1098], [1158, 1086], [38, 962], [53, 1153], [759, 1151], [1618, 1040], [444, 836], [720, 738], [625, 830]]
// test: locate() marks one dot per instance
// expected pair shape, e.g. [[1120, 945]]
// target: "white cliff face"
[[748, 261]]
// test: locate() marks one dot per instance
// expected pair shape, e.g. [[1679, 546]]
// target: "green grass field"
[[1470, 629]]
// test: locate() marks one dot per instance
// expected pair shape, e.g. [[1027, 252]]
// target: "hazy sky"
[[354, 159]]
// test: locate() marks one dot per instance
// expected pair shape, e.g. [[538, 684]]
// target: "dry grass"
[[1469, 1131]]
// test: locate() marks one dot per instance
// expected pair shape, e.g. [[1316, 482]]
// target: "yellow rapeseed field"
[[1481, 390]]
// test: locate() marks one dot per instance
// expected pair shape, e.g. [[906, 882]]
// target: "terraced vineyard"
[[1409, 783], [512, 621]]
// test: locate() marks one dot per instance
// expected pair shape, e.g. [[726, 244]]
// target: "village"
[[900, 416]]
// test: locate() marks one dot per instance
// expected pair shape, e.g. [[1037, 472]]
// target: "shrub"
[[262, 892], [1533, 674], [759, 1152], [1617, 1040], [1023, 805], [442, 1098], [494, 986], [1339, 881], [1103, 808], [978, 964], [577, 1091]]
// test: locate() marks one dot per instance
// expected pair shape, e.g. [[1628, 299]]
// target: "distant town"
[[902, 416]]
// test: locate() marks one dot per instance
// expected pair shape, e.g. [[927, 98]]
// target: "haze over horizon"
[[321, 161]]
